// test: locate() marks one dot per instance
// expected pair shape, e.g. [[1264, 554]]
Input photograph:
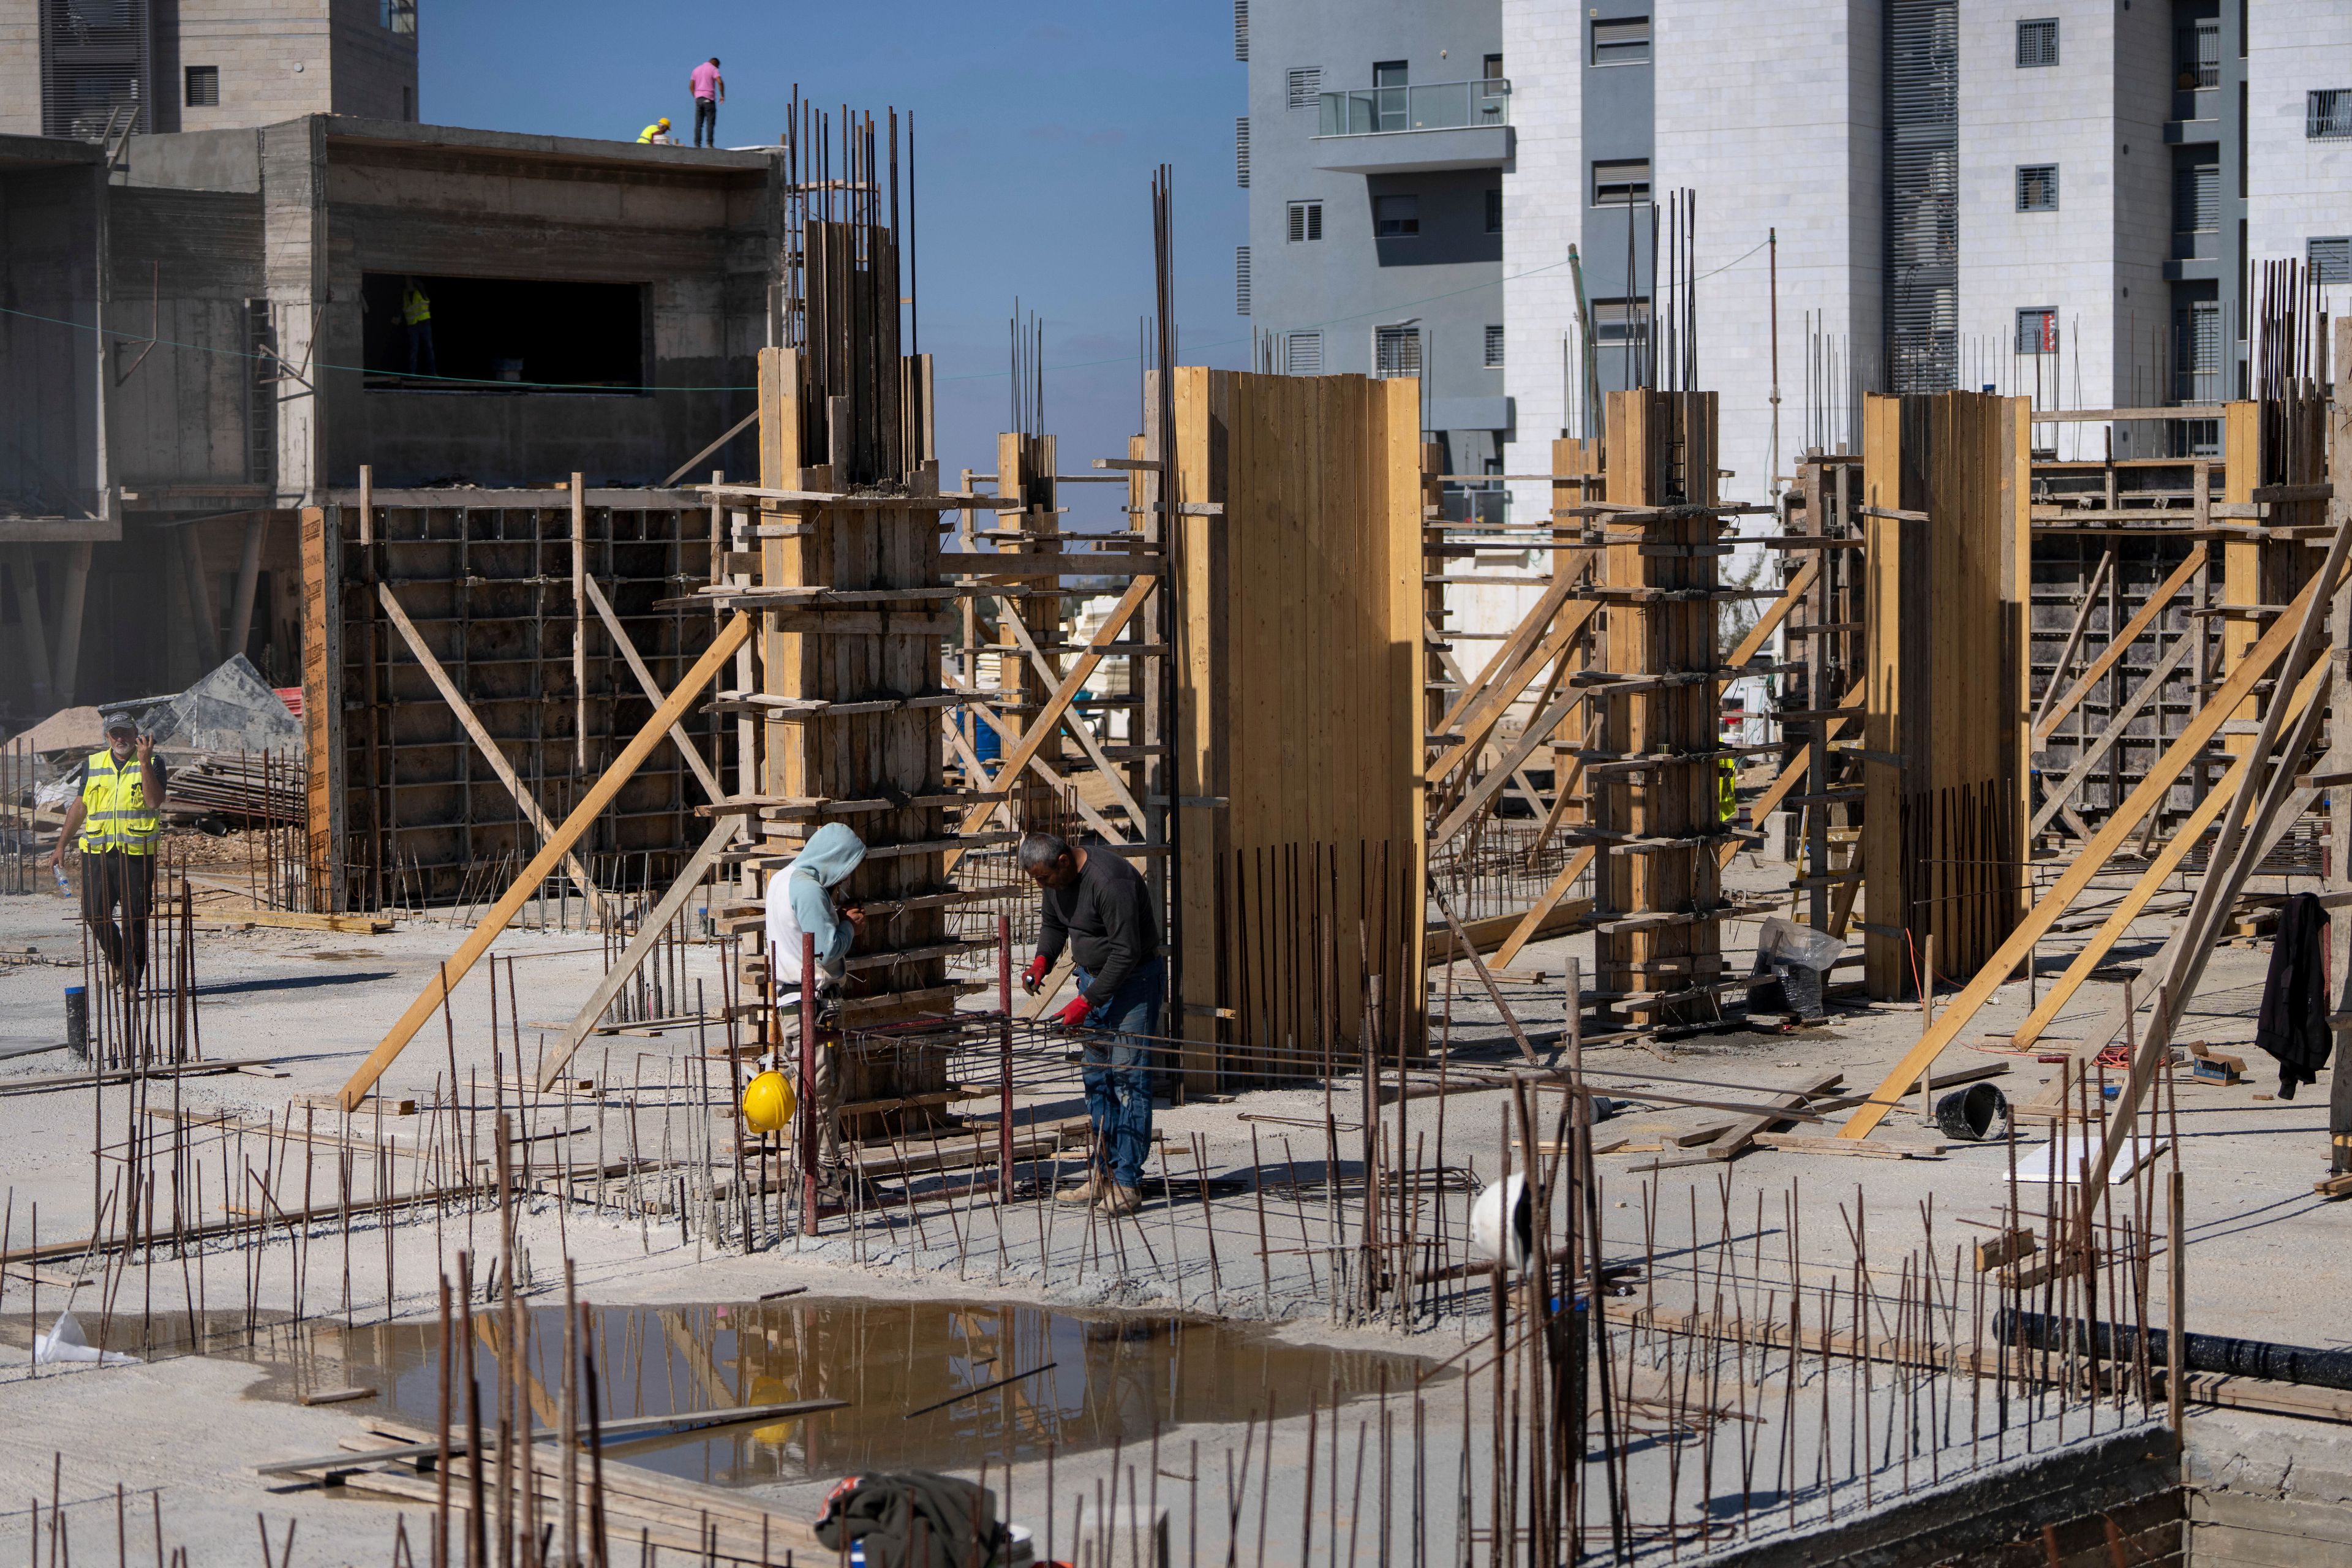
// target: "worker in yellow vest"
[[1727, 789], [656, 135], [117, 815], [416, 318]]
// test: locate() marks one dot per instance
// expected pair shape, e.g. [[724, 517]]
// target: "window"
[[2197, 352], [408, 104], [1493, 347], [2037, 187], [1492, 68], [1621, 320], [1241, 280], [204, 87], [2037, 42], [1240, 152], [1494, 212], [1241, 29], [1305, 86], [1396, 217], [1389, 73], [505, 334], [2327, 114], [1396, 351], [1622, 183], [1391, 100], [2200, 47], [2037, 329], [1302, 353], [2331, 259], [400, 15], [1306, 222], [2196, 198], [1621, 41]]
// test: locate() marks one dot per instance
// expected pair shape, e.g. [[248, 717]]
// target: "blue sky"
[[1037, 127]]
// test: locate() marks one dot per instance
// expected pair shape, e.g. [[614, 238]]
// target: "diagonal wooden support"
[[2166, 861], [1038, 765], [1048, 718], [641, 947], [1536, 734], [731, 635], [482, 741], [1523, 640], [2074, 635], [1769, 621], [2251, 670], [2048, 723], [1481, 711], [1532, 922], [2147, 692], [1007, 616], [653, 694]]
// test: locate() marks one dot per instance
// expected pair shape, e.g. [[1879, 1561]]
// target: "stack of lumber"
[[237, 786]]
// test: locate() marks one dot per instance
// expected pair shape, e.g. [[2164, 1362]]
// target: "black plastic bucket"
[[1973, 1114]]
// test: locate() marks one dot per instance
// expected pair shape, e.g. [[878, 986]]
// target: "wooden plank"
[[1740, 1133], [2192, 739], [1533, 923], [477, 942], [2046, 723], [2092, 754], [1490, 932], [483, 742], [1777, 611], [653, 693]]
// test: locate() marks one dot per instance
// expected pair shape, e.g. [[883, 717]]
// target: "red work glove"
[[1035, 976], [1074, 1016]]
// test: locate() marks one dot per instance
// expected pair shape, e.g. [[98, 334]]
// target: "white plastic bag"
[[64, 1342]]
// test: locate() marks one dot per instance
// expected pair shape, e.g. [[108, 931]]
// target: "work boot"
[[1118, 1200], [1086, 1192]]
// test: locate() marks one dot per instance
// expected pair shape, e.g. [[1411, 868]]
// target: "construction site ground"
[[2265, 1262]]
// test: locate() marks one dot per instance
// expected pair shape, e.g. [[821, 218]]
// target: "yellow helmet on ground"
[[769, 1102]]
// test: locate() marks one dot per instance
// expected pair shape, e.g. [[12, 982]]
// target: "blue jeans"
[[1118, 1070]]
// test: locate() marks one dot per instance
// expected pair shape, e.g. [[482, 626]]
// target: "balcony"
[[1404, 130]]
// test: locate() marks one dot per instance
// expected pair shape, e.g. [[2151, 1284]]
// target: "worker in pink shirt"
[[710, 92]]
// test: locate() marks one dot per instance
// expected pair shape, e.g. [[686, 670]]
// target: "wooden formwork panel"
[[1299, 709], [1943, 831], [404, 806]]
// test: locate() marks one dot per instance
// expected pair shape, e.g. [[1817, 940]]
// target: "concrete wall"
[[20, 67], [49, 396], [1351, 281]]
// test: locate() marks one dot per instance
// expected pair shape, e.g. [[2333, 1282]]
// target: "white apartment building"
[[2051, 197]]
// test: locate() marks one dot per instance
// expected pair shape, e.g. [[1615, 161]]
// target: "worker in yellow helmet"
[[119, 815], [656, 133], [1727, 789], [416, 319]]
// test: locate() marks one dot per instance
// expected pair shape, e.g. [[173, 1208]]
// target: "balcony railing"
[[1435, 106]]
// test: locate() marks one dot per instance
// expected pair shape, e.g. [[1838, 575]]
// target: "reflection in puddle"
[[1097, 1378]]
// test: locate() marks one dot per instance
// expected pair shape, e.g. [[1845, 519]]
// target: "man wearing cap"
[[117, 812]]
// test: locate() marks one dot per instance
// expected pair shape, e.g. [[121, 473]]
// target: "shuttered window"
[[1241, 280], [204, 87], [1305, 86], [2037, 331], [1240, 152], [1494, 212], [1620, 321], [1306, 222], [1396, 217], [1620, 183], [1493, 347], [2331, 259], [2037, 187], [2196, 198], [1302, 353], [1621, 41], [1241, 29], [2037, 42]]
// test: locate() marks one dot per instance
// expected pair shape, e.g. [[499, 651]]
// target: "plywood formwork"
[[404, 806], [1299, 717], [1944, 498], [1658, 888]]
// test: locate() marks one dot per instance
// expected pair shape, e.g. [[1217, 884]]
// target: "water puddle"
[[918, 1377]]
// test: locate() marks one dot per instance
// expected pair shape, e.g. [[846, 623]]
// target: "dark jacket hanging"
[[2292, 1024]]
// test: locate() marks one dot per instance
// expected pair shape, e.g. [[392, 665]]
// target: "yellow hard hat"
[[768, 1102], [665, 124]]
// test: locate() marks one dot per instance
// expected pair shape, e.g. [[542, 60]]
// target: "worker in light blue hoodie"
[[805, 896]]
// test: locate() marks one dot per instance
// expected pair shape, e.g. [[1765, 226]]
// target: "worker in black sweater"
[[1099, 904]]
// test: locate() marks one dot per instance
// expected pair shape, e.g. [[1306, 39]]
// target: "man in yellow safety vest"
[[655, 135], [416, 316], [119, 815]]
